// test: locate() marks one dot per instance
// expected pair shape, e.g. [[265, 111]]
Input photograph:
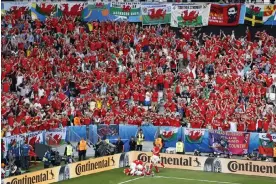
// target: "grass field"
[[170, 176]]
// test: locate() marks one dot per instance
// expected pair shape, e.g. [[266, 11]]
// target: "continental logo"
[[178, 161], [90, 165], [234, 166], [31, 179]]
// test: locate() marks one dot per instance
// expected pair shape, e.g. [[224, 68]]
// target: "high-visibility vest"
[[158, 141], [179, 147], [77, 121], [140, 139], [274, 152], [107, 141], [82, 145], [69, 150]]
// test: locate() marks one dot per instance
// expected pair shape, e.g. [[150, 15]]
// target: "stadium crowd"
[[60, 73]]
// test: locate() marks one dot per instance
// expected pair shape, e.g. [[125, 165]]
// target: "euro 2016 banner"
[[224, 15], [55, 137], [266, 144], [190, 15], [153, 14], [229, 142]]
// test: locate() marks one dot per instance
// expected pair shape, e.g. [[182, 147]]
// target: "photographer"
[[47, 159]]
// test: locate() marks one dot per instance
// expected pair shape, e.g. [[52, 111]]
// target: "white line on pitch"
[[190, 179], [131, 180]]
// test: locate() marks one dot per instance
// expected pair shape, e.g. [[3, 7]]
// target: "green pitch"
[[170, 176]]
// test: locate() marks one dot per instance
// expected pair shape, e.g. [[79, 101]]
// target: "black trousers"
[[82, 154], [274, 159], [139, 147]]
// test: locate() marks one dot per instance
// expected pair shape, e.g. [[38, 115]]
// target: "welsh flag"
[[153, 14], [34, 137], [71, 9], [266, 143], [194, 135], [97, 5], [42, 10], [168, 133], [55, 137], [254, 15], [190, 15]]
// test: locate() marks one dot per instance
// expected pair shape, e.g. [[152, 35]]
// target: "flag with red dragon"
[[55, 137], [156, 14], [195, 15]]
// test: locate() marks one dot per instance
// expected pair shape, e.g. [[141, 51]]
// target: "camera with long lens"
[[197, 153], [104, 149], [55, 158]]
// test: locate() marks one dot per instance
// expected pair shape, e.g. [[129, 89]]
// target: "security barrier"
[[206, 141]]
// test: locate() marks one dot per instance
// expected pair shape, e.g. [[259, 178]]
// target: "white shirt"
[[23, 92], [233, 126], [92, 105], [19, 80], [40, 92], [148, 96]]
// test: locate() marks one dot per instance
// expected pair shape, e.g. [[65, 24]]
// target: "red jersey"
[[156, 151], [138, 162]]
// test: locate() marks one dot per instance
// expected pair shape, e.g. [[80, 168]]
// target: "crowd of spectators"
[[59, 73]]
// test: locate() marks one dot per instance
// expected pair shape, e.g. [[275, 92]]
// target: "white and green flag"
[[153, 14], [195, 15]]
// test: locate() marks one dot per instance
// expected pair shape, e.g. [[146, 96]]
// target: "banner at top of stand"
[[156, 14], [224, 15], [125, 8], [191, 15]]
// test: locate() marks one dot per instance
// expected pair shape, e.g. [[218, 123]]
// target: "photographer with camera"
[[47, 159]]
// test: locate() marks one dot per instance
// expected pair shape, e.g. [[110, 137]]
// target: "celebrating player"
[[137, 168], [155, 159]]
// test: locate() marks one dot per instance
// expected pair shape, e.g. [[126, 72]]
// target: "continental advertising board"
[[91, 166], [42, 176], [73, 170], [98, 165], [211, 164]]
